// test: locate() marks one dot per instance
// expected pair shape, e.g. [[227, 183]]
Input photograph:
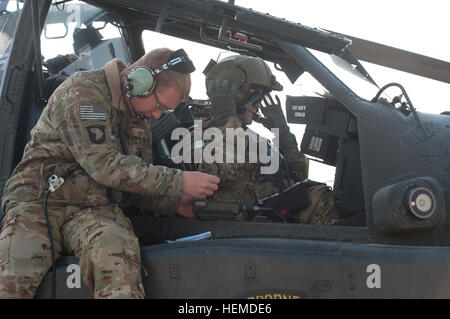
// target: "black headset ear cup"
[[186, 66], [140, 81]]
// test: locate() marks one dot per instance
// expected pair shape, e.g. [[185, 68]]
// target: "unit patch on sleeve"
[[96, 133], [92, 113]]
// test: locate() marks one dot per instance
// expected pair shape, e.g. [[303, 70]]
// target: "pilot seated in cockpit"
[[238, 86]]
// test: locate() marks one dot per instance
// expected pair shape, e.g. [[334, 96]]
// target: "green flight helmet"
[[246, 72]]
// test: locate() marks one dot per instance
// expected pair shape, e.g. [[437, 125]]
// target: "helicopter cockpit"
[[330, 112], [387, 163]]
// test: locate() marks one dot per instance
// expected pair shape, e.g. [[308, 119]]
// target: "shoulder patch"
[[96, 133], [92, 113]]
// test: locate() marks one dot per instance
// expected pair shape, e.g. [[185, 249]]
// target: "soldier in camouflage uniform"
[[78, 136], [231, 83]]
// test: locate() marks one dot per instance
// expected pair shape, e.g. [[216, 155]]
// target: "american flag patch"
[[92, 113]]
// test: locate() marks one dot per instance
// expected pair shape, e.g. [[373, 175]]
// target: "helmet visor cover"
[[246, 73]]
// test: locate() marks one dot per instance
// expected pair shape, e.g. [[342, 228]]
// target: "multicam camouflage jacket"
[[79, 131], [243, 182]]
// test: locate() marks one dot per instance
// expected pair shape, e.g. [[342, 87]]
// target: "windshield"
[[348, 74], [9, 16]]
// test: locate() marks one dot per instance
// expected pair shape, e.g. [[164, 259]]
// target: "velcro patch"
[[96, 133], [92, 113]]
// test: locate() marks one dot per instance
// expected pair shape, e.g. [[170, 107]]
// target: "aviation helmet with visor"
[[246, 73]]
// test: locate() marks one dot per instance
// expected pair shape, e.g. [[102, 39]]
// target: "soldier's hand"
[[274, 117], [184, 206], [198, 184]]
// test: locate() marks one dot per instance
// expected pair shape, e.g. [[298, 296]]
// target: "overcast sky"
[[419, 26], [413, 25]]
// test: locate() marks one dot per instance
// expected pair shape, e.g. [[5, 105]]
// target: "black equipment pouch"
[[163, 127], [170, 120], [212, 210], [230, 211], [162, 132], [289, 201]]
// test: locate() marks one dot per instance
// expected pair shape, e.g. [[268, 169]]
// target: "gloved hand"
[[222, 93], [274, 117]]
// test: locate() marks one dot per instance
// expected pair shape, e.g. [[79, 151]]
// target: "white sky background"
[[418, 26]]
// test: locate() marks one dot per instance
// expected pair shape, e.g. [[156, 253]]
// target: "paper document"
[[201, 236]]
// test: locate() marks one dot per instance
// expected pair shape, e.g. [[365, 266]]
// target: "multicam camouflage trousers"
[[101, 238]]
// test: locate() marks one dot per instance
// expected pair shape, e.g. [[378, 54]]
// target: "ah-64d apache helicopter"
[[400, 228]]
